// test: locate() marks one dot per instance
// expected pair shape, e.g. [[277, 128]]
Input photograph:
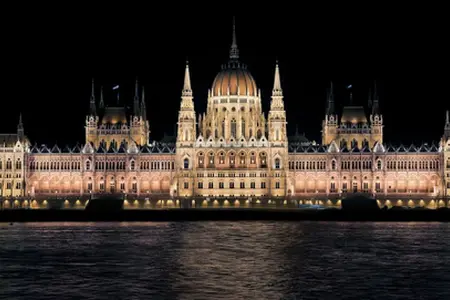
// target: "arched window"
[[259, 134], [9, 164], [354, 143], [233, 128], [343, 143], [333, 165], [277, 135], [201, 162], [232, 160], [243, 127], [132, 165], [186, 135], [211, 159], [253, 158], [223, 128], [277, 163], [221, 158], [379, 164], [88, 165], [242, 158], [186, 163], [18, 164]]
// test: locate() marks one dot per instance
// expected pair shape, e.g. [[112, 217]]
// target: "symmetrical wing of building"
[[233, 154]]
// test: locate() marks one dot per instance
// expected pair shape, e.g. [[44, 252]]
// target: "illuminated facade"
[[233, 154]]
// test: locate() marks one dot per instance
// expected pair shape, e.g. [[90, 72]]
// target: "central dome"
[[234, 80]]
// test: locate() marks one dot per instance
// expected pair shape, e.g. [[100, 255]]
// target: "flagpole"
[[117, 88]]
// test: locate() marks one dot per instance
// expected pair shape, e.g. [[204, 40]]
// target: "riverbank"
[[230, 214]]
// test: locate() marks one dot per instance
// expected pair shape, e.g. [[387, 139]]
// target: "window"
[[252, 158], [132, 165], [243, 127], [221, 158], [263, 185], [231, 185], [379, 164], [200, 185], [201, 160], [377, 187], [102, 186], [186, 185], [252, 185], [333, 187], [122, 186], [18, 164], [277, 185], [221, 185], [344, 187], [186, 163], [233, 128], [88, 165], [211, 159], [210, 185], [18, 185], [8, 164], [89, 186], [242, 185], [277, 163], [333, 165]]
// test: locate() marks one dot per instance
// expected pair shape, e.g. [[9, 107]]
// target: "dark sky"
[[50, 61]]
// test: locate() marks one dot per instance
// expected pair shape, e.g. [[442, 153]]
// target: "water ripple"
[[225, 260]]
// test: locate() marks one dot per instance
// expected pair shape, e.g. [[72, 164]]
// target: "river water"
[[225, 260]]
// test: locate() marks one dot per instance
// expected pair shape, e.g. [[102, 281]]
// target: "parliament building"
[[232, 155]]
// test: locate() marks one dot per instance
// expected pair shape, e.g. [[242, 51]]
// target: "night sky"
[[49, 65]]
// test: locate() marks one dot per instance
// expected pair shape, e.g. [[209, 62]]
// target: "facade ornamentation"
[[231, 155]]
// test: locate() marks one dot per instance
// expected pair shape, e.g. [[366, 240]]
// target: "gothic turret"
[[92, 108], [376, 118], [186, 118], [277, 113]]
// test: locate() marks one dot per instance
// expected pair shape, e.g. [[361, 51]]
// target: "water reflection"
[[225, 260]]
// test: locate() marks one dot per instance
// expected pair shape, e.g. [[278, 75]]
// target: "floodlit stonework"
[[231, 155]]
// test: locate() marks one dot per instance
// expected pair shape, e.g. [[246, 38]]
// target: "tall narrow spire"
[[330, 100], [447, 119], [186, 93], [143, 108], [92, 102], [136, 99], [234, 51], [375, 101], [102, 103], [277, 91], [187, 90], [20, 130]]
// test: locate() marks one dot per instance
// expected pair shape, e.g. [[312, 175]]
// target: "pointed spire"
[[136, 98], [143, 108], [375, 101], [330, 100], [20, 131], [277, 91], [234, 51], [187, 90], [92, 102], [375, 92], [102, 103], [447, 119]]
